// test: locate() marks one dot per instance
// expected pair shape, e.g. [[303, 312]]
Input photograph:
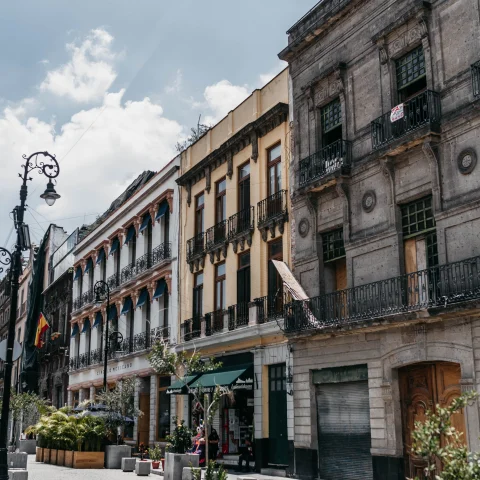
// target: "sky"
[[110, 86]]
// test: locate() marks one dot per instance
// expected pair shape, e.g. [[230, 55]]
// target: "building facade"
[[4, 318], [133, 248], [385, 197], [234, 222]]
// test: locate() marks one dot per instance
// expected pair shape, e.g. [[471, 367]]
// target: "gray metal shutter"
[[344, 431]]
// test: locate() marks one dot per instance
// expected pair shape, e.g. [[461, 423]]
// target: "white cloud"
[[89, 73], [266, 77], [45, 61], [176, 85], [123, 139]]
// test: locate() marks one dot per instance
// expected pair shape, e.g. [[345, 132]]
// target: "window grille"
[[410, 68], [331, 116], [417, 217], [333, 247]]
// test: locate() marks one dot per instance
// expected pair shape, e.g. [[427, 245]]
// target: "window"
[[411, 74], [243, 284], [163, 417], [104, 265], [333, 247], [417, 217], [274, 169], [220, 287], [76, 398], [198, 295], [88, 337], [334, 262], [331, 120], [221, 200], [148, 238], [199, 213], [59, 396], [244, 187], [164, 311], [132, 245], [116, 260]]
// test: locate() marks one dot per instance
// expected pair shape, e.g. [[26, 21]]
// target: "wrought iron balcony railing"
[[238, 315], [214, 322], [191, 328], [113, 281], [143, 263], [269, 308], [216, 235], [161, 253], [424, 109], [196, 246], [241, 222], [326, 161], [128, 272], [272, 207], [476, 79], [438, 286], [83, 299]]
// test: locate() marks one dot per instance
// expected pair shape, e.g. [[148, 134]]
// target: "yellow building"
[[234, 220]]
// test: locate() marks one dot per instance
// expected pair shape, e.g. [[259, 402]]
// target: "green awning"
[[239, 377], [179, 387]]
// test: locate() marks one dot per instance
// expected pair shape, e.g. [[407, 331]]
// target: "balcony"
[[238, 315], [272, 213], [269, 308], [422, 110], [191, 328], [196, 251], [128, 273], [216, 240], [113, 281], [214, 322], [330, 159], [476, 79], [241, 228], [83, 299], [434, 288], [161, 253]]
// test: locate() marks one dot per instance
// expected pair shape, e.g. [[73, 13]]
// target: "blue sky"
[[110, 86]]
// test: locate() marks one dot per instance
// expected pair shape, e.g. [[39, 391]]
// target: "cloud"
[[89, 73], [45, 61], [176, 85], [267, 77], [123, 139]]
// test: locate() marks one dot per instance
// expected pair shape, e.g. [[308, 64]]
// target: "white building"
[[132, 247]]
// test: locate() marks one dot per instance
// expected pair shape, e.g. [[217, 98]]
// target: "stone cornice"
[[248, 134]]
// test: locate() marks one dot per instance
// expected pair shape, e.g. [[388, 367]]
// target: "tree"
[[196, 134], [183, 365], [439, 443]]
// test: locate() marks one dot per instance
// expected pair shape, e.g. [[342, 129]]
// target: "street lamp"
[[46, 164], [102, 293]]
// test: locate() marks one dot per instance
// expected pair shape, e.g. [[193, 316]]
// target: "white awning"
[[290, 282]]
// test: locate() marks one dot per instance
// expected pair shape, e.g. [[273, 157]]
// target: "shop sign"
[[246, 384], [396, 113], [116, 368]]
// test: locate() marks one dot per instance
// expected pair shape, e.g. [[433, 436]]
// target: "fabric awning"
[[162, 210], [101, 256], [78, 273], [179, 387], [146, 220], [142, 298], [115, 246], [75, 329], [98, 320], [89, 265], [239, 377], [86, 326], [130, 234], [160, 290], [112, 313], [127, 306]]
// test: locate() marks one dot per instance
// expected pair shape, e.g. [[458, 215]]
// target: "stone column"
[[81, 395], [92, 394], [70, 398], [257, 393], [153, 409]]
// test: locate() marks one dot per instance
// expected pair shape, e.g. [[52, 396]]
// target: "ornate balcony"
[[241, 228], [196, 251], [271, 213], [335, 157], [83, 300], [214, 322], [269, 308], [161, 253], [113, 281], [476, 79], [191, 328], [216, 240], [128, 272], [422, 110], [238, 315], [434, 288]]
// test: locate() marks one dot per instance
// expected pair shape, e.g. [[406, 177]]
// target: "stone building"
[[4, 318], [234, 222], [386, 221], [133, 248]]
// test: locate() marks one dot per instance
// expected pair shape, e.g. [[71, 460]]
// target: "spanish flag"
[[42, 325]]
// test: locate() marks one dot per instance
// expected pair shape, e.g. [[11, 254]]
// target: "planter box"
[[176, 462], [114, 455], [28, 446], [53, 456], [39, 454], [68, 458], [88, 459], [17, 460], [46, 455], [61, 457], [143, 469]]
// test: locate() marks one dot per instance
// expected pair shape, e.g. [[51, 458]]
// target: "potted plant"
[[155, 455]]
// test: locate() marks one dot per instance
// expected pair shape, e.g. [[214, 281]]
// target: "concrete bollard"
[[17, 474], [128, 464], [142, 469], [17, 460]]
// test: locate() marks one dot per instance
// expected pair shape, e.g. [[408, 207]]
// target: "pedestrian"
[[213, 440], [246, 454]]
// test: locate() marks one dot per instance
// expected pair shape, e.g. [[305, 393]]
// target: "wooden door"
[[144, 420], [277, 415], [422, 387]]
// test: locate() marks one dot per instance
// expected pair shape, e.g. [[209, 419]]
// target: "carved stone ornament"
[[303, 227], [466, 161], [369, 201]]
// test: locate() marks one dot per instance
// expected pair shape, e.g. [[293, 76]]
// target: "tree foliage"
[[196, 134]]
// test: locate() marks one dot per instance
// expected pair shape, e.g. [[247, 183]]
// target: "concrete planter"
[[88, 459], [114, 455], [39, 454], [68, 458], [143, 468], [53, 456], [28, 446], [17, 460], [176, 462], [128, 464], [61, 457], [46, 455]]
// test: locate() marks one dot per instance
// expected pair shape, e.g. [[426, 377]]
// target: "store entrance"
[[277, 415]]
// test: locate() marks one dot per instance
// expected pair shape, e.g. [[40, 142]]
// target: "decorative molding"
[[229, 164], [428, 150], [189, 193], [369, 201], [467, 161], [215, 251], [208, 178], [342, 191], [303, 227], [388, 170], [241, 239], [254, 140]]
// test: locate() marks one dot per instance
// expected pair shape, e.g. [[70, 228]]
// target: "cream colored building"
[[234, 220]]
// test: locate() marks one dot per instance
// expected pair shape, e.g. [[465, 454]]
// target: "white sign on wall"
[[396, 113]]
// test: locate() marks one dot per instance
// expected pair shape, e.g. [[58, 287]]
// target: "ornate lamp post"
[[48, 166]]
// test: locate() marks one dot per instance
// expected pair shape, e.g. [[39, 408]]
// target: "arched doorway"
[[422, 387]]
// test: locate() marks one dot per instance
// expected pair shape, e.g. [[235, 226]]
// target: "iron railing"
[[269, 307], [434, 287], [214, 322], [327, 160], [83, 299], [113, 281], [271, 207], [128, 272], [476, 79], [424, 109], [162, 252], [196, 246], [241, 222], [216, 235], [191, 328], [143, 263], [238, 315]]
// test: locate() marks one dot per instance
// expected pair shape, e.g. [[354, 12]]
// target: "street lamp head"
[[99, 296], [50, 195]]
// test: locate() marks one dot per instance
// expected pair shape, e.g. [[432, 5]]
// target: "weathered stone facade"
[[346, 61]]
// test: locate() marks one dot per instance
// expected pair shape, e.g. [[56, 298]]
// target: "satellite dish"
[[17, 350]]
